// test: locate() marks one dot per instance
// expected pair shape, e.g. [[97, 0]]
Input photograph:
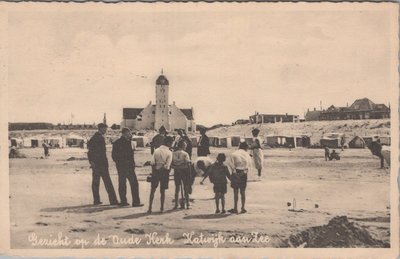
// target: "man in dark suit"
[[376, 150], [203, 147], [99, 163], [123, 156]]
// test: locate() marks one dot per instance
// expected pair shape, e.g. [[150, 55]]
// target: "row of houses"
[[361, 109]]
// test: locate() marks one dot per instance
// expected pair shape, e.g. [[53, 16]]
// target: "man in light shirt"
[[161, 166], [240, 163]]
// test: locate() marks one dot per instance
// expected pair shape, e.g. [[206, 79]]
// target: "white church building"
[[161, 114]]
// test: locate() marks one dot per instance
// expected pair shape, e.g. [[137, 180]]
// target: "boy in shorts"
[[180, 164], [218, 173], [161, 166]]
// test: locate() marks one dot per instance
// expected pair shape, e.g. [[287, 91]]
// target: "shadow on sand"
[[88, 208], [207, 216], [144, 214]]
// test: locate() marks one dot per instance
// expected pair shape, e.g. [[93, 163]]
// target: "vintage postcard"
[[199, 130]]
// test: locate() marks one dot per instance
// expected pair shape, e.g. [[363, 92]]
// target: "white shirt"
[[162, 158], [240, 160], [207, 162]]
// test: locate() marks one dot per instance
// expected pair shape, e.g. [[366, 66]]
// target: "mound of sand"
[[339, 232]]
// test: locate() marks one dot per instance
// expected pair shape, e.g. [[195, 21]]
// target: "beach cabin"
[[33, 141], [225, 142], [235, 141], [74, 140], [139, 140], [214, 141], [357, 142], [16, 142], [385, 140], [54, 141], [249, 141], [302, 141], [333, 140]]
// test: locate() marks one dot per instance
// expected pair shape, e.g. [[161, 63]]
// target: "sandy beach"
[[51, 197]]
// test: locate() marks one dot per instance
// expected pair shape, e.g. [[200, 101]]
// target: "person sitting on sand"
[[241, 163], [334, 156], [218, 173], [181, 164], [161, 166]]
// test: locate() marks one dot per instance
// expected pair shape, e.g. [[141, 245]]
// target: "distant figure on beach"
[[123, 156], [181, 166], [241, 164], [161, 166], [327, 152], [203, 146], [46, 148], [218, 174], [99, 163], [376, 150], [257, 152], [334, 156], [158, 139]]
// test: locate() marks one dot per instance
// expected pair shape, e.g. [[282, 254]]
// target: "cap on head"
[[102, 126], [221, 157], [125, 130], [162, 130], [255, 131]]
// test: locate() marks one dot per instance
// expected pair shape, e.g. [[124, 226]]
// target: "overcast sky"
[[226, 64]]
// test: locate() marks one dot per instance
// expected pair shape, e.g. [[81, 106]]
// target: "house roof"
[[131, 113], [188, 113], [363, 104]]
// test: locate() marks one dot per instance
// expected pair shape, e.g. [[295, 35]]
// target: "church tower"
[[162, 108]]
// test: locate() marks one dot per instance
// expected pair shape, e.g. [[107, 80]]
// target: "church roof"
[[162, 80], [131, 113], [188, 113]]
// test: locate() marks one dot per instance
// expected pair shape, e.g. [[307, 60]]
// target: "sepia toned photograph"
[[202, 126]]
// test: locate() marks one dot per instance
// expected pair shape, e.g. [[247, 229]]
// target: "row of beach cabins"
[[332, 140]]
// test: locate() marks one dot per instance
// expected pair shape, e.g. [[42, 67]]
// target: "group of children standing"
[[164, 159]]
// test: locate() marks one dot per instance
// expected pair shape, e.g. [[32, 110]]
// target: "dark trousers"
[[382, 159], [102, 172], [127, 172]]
